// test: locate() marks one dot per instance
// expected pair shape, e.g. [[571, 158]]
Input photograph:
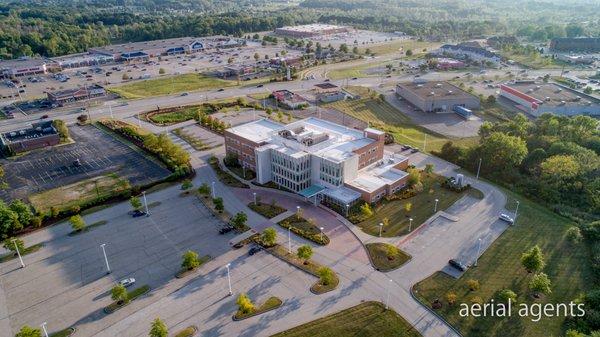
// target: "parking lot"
[[97, 152]]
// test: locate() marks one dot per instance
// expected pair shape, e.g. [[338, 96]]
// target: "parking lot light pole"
[[14, 241], [516, 212], [298, 212], [254, 194], [380, 228], [213, 189], [229, 278], [105, 258], [111, 112], [387, 296], [347, 208], [289, 240], [478, 168], [435, 207], [478, 251], [145, 203], [321, 233], [410, 224], [44, 328]]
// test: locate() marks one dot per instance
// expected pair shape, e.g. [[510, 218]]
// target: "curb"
[[412, 294], [233, 318]]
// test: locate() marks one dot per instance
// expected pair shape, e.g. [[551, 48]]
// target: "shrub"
[[473, 284], [573, 234], [190, 260], [77, 222], [507, 294], [269, 236], [119, 293], [244, 303], [219, 206], [204, 189], [12, 246], [305, 252], [325, 275], [451, 298]]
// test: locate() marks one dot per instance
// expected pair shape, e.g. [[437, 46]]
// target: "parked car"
[[44, 117], [260, 86], [254, 250], [127, 282], [458, 265], [77, 163], [507, 218], [184, 94], [221, 89], [226, 229], [138, 213], [415, 150]]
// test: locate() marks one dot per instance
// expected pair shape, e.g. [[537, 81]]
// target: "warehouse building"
[[439, 97], [24, 66], [539, 98], [328, 92], [289, 99], [572, 44], [320, 160], [141, 51], [312, 30], [39, 135]]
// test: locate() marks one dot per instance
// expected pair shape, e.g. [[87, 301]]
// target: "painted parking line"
[[43, 180], [49, 177], [35, 181]]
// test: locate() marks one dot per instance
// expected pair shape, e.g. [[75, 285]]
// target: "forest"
[[58, 27]]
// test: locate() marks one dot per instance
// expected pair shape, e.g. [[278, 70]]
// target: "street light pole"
[[105, 258], [380, 228], [478, 251], [111, 112], [14, 241], [44, 328], [298, 212], [516, 212], [478, 168], [347, 208], [213, 189], [229, 278], [254, 194], [289, 240], [410, 224], [435, 207], [145, 203], [321, 233], [387, 296]]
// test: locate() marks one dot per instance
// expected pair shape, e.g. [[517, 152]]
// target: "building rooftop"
[[23, 62], [471, 49], [551, 94], [256, 131], [434, 89], [379, 174], [286, 95], [145, 45], [343, 194], [311, 28], [326, 85], [36, 130]]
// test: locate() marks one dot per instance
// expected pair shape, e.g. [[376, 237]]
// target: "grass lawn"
[[134, 294], [422, 208], [187, 332], [31, 249], [239, 171], [224, 176], [89, 227], [270, 304], [267, 210], [400, 45], [63, 333], [379, 257], [532, 61], [306, 228], [175, 116], [170, 85], [80, 193], [382, 115], [500, 268], [368, 319]]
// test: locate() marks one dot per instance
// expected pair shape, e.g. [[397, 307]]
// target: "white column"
[[380, 228], [44, 328], [145, 203], [435, 207], [229, 278], [213, 189], [516, 213], [410, 224], [14, 241], [105, 258]]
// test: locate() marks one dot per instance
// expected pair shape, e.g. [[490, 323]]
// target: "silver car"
[[507, 218], [127, 282]]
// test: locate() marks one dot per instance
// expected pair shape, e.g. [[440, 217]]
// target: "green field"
[[422, 208], [368, 319], [500, 268], [77, 194], [170, 85], [401, 45], [382, 115], [380, 259]]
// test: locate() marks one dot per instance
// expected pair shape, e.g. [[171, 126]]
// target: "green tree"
[[77, 223], [239, 220], [8, 244], [219, 206], [22, 210], [506, 294], [588, 90], [343, 48], [500, 151], [204, 189], [161, 71], [391, 251], [414, 176], [533, 259], [473, 284], [244, 303], [190, 260], [365, 210], [158, 329], [491, 99], [408, 207], [27, 331], [573, 234], [9, 220], [409, 52], [304, 252], [269, 236], [135, 202], [540, 283], [325, 275], [451, 298], [119, 293], [429, 168]]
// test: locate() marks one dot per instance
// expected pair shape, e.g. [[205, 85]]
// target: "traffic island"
[[305, 228], [131, 296], [269, 211], [14, 255], [386, 257], [187, 332], [88, 228], [271, 304], [64, 333], [185, 272], [328, 279]]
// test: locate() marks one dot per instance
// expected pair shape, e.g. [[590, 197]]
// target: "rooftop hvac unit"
[[547, 99], [439, 85], [449, 92], [13, 134], [558, 90], [390, 160], [537, 87], [529, 90], [577, 98], [563, 102], [432, 93], [22, 132], [419, 86], [39, 128]]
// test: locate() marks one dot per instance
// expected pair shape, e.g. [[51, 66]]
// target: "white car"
[[127, 282], [507, 218]]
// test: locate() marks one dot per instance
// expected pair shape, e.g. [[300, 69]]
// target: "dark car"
[[415, 150], [355, 78], [260, 86], [44, 117], [456, 264], [137, 213], [254, 250], [221, 89], [226, 229]]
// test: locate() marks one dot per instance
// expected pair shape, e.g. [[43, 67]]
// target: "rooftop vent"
[[577, 98], [547, 99], [419, 85], [563, 102], [432, 93], [449, 92], [439, 85]]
